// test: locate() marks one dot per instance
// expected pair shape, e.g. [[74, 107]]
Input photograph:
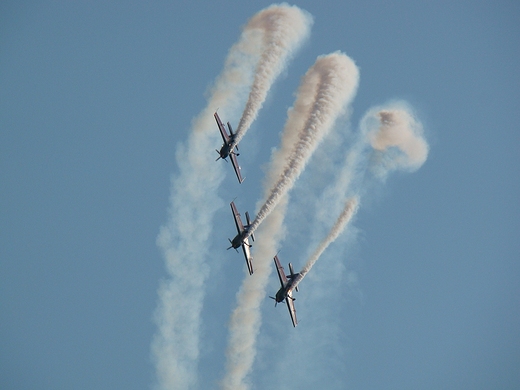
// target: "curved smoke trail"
[[284, 29], [397, 138], [332, 81], [193, 202], [326, 89], [397, 142], [390, 137]]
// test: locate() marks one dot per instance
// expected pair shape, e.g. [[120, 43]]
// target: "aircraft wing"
[[222, 128], [236, 216], [249, 258], [236, 167], [292, 310], [279, 269]]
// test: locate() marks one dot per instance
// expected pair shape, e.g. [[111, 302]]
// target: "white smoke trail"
[[325, 91], [396, 137], [284, 30], [346, 215], [390, 138], [328, 86], [404, 147], [193, 202]]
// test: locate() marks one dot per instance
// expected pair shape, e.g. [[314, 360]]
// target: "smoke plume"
[[397, 139], [346, 215], [325, 91], [193, 200], [328, 86], [284, 30], [390, 137]]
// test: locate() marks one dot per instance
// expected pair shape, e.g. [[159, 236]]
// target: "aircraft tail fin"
[[292, 275], [248, 221], [232, 136]]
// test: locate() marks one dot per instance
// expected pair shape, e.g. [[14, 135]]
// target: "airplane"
[[228, 147], [289, 283], [242, 238]]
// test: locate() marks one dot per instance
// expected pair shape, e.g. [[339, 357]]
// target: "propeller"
[[231, 245], [219, 156], [275, 301]]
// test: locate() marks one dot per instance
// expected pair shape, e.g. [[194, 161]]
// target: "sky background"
[[421, 292]]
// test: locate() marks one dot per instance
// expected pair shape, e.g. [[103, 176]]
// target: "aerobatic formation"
[[389, 138]]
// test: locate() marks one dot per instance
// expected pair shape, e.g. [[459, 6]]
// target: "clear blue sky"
[[94, 98]]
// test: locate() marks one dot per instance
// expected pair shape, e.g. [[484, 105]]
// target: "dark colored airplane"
[[289, 283], [242, 238], [229, 146]]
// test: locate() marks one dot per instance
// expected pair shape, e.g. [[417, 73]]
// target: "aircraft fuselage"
[[239, 240], [227, 148], [224, 151], [280, 295], [283, 292]]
